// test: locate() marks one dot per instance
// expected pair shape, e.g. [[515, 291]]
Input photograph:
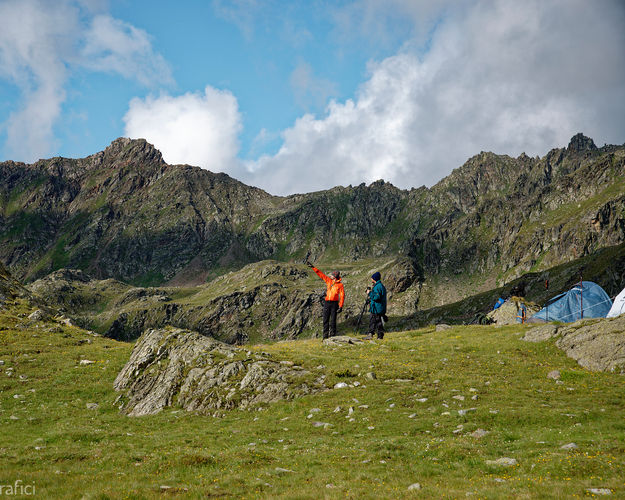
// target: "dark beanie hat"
[[376, 276], [336, 274]]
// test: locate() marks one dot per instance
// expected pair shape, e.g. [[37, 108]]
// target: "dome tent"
[[586, 301], [618, 307]]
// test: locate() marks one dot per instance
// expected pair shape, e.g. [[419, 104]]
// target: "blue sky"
[[304, 95]]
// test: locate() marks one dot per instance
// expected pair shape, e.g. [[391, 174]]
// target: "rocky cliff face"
[[125, 214]]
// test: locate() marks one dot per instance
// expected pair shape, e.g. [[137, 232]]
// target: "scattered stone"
[[371, 376], [287, 363], [330, 486], [569, 446], [340, 385], [371, 427], [92, 406], [412, 415], [37, 315], [13, 417], [64, 320], [341, 340], [479, 433], [337, 409], [475, 397], [442, 327], [421, 400], [315, 410], [503, 461], [458, 397], [86, 362], [1, 362], [464, 412], [599, 491], [414, 487], [325, 425], [554, 375], [282, 469]]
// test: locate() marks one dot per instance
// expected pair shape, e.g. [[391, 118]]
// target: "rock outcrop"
[[175, 367], [596, 344]]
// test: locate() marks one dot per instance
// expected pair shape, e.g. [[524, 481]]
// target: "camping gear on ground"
[[499, 303], [618, 307], [587, 300]]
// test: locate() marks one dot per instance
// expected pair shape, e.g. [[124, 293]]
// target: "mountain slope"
[[125, 214]]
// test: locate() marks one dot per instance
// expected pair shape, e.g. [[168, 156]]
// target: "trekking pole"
[[364, 306]]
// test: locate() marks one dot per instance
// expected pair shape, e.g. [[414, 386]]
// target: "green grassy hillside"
[[415, 422]]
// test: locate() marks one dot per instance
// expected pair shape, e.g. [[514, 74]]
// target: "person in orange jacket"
[[335, 298]]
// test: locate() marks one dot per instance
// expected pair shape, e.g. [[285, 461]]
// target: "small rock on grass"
[[554, 375], [86, 362], [92, 406], [503, 461], [414, 487], [569, 446], [282, 469], [479, 433], [599, 491], [340, 385]]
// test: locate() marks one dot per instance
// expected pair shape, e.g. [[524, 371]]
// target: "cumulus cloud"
[[196, 128], [492, 75], [42, 42]]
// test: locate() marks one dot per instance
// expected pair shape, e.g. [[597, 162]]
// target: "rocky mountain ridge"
[[124, 213]]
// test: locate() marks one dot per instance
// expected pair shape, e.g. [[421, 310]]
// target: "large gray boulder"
[[596, 344], [171, 366]]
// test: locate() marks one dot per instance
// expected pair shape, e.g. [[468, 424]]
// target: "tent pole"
[[581, 296]]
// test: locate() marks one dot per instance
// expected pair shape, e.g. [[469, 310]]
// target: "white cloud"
[[310, 90], [111, 45], [42, 42], [501, 76], [194, 128]]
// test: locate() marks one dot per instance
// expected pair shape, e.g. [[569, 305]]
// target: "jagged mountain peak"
[[579, 142], [124, 151]]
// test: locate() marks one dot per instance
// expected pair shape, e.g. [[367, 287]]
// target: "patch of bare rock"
[[172, 366], [596, 344]]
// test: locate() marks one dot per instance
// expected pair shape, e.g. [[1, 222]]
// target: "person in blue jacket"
[[377, 306]]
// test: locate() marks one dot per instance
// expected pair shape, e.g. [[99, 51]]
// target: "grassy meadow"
[[415, 422]]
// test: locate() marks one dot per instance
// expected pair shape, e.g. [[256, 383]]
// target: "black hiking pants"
[[376, 325], [330, 307]]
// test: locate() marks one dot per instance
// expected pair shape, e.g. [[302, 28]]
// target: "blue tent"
[[567, 307]]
